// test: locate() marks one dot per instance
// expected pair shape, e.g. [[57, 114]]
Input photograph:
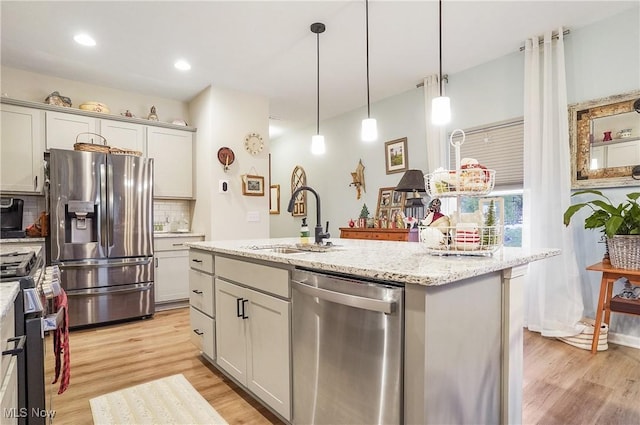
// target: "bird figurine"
[[152, 115], [357, 178]]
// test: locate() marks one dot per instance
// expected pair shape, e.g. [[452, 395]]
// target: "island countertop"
[[403, 262]]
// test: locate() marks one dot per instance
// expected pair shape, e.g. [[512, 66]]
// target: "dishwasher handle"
[[382, 306]]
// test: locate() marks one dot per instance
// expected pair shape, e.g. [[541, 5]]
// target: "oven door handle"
[[19, 347], [136, 262], [382, 306]]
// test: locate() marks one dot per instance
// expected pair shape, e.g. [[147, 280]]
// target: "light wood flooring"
[[562, 384]]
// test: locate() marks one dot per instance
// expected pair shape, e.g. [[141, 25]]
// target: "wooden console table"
[[379, 234], [609, 275]]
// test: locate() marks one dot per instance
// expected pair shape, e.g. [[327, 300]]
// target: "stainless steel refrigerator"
[[101, 236]]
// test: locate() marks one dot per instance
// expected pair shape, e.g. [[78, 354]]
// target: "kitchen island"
[[463, 318]]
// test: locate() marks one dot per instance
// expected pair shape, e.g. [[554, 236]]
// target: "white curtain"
[[554, 301], [436, 144]]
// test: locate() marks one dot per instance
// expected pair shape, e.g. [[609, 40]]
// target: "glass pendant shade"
[[317, 145], [440, 110], [369, 130]]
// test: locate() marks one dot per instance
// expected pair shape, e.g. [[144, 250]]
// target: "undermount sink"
[[293, 249]]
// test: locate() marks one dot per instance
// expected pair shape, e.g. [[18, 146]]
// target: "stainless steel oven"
[[347, 350]]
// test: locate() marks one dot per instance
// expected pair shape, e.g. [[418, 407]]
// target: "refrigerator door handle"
[[132, 262], [110, 224], [103, 208]]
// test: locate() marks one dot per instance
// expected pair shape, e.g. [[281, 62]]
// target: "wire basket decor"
[[463, 239], [624, 251], [465, 182], [91, 147]]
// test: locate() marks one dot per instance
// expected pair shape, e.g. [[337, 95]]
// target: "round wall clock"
[[226, 156], [253, 143]]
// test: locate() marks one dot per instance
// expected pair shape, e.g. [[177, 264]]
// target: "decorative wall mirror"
[[299, 179], [605, 141]]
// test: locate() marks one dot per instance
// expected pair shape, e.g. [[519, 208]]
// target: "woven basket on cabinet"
[[624, 251]]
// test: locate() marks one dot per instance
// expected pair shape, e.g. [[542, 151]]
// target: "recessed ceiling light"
[[84, 39], [182, 65]]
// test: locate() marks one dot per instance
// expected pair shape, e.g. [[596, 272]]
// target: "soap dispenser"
[[304, 232]]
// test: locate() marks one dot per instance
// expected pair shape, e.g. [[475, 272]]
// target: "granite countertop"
[[8, 293], [176, 234], [22, 240], [403, 262]]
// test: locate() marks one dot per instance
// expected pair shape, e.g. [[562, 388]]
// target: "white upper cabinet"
[[172, 152], [21, 151], [63, 129], [123, 135]]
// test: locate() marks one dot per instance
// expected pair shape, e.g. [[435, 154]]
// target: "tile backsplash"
[[33, 206], [163, 211], [172, 212]]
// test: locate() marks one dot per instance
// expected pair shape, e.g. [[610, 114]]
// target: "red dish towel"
[[61, 343]]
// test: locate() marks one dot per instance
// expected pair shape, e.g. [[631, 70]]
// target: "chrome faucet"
[[319, 234]]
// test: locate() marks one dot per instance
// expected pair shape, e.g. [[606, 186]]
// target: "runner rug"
[[170, 400]]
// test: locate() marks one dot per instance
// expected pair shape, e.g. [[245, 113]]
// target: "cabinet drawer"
[[264, 278], [173, 244], [201, 260], [201, 295], [7, 330], [203, 332]]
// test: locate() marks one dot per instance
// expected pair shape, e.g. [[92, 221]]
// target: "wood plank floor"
[[562, 384]]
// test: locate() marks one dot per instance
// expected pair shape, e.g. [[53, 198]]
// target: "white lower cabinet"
[[201, 301], [171, 280], [202, 332], [252, 337]]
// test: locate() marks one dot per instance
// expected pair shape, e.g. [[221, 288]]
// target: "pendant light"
[[440, 106], [317, 141], [369, 131]]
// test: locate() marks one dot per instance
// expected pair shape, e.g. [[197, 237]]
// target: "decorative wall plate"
[[226, 156]]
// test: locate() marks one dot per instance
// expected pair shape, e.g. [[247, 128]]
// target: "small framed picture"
[[396, 156], [274, 199], [253, 185]]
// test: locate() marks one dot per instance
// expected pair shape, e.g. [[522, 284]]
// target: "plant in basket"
[[619, 223]]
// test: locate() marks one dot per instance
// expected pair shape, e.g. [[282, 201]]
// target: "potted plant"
[[620, 224]]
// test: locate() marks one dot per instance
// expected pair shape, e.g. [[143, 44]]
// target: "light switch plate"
[[253, 216]]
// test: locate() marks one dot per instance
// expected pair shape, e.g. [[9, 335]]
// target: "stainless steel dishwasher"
[[347, 350]]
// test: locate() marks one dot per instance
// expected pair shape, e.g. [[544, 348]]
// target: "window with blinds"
[[497, 146]]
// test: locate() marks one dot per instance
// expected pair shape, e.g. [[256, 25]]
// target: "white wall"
[[330, 174], [601, 60], [224, 117], [25, 85]]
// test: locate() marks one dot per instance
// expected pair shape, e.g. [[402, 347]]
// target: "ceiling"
[[267, 48]]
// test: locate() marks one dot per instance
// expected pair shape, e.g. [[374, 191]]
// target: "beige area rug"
[[170, 400]]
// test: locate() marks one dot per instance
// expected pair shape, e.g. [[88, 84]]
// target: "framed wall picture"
[[252, 185], [274, 199], [396, 156], [388, 198]]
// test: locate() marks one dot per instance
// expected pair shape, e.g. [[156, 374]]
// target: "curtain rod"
[[495, 126], [554, 36]]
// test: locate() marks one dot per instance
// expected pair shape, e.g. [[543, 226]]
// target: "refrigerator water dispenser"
[[80, 222]]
